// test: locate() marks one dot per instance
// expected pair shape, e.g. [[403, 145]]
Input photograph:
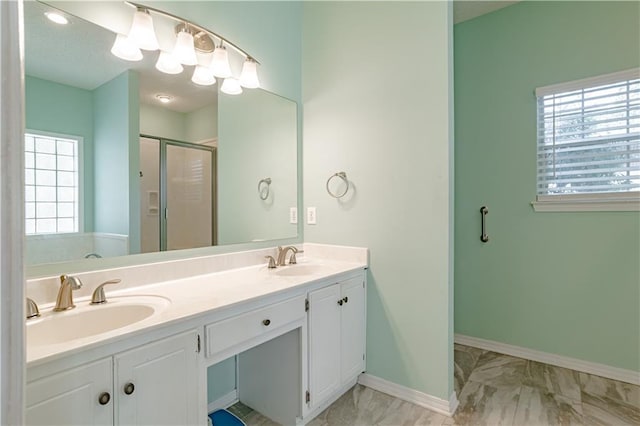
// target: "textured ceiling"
[[78, 55]]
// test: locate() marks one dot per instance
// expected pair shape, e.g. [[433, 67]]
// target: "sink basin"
[[299, 270], [90, 320]]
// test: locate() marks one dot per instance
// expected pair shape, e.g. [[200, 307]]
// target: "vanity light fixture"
[[165, 99], [57, 18], [203, 76], [184, 51], [231, 86], [168, 64], [249, 74], [142, 33], [194, 46], [220, 62], [123, 48]]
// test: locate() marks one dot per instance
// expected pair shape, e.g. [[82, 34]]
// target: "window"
[[51, 184], [588, 137]]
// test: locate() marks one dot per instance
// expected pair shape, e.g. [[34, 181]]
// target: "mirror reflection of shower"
[[177, 194]]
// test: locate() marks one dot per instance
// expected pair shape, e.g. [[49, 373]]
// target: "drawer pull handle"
[[340, 302], [346, 300], [129, 388], [104, 398], [266, 322]]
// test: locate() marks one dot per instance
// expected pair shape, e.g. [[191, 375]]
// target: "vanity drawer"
[[227, 333]]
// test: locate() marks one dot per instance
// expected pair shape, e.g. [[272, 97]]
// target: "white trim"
[[595, 202], [225, 401], [615, 373], [12, 285], [600, 80], [430, 402]]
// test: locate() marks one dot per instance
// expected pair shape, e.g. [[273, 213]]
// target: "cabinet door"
[[157, 384], [324, 343], [72, 397], [353, 328]]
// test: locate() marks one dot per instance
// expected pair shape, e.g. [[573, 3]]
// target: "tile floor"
[[493, 389]]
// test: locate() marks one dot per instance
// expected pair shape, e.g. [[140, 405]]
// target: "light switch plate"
[[293, 215], [311, 216]]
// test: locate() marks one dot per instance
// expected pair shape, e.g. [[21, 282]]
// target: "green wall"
[[377, 105], [58, 108], [116, 130], [564, 283]]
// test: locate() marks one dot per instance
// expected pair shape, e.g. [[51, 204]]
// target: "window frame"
[[584, 202], [80, 162]]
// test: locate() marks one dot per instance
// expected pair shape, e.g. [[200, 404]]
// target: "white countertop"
[[190, 297]]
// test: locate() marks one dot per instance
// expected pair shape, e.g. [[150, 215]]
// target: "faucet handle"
[[293, 260], [98, 296], [272, 262], [32, 309]]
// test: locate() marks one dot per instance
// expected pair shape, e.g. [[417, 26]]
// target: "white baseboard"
[[627, 376], [224, 401], [422, 399]]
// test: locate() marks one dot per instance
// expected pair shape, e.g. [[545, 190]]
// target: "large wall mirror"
[[122, 159]]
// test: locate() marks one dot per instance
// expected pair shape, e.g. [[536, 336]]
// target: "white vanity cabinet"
[[151, 384], [72, 397], [336, 338]]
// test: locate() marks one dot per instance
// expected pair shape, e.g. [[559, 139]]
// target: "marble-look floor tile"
[[606, 411], [539, 407], [611, 389], [463, 364], [240, 410], [482, 404], [499, 370], [470, 349], [362, 406], [256, 419], [557, 380]]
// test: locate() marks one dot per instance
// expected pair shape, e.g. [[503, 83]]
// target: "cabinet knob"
[[266, 322], [346, 299], [340, 302], [129, 388], [104, 398]]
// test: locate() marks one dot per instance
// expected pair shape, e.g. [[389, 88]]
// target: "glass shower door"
[[188, 204]]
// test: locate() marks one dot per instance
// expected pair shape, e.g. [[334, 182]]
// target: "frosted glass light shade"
[[249, 75], [203, 76], [123, 48], [231, 86], [168, 64], [220, 63], [184, 51], [142, 33]]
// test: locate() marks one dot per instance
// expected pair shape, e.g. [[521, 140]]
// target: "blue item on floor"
[[225, 418]]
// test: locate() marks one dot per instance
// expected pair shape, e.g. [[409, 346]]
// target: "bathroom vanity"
[[298, 332]]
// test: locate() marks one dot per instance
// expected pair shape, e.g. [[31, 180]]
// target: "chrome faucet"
[[282, 254], [65, 294]]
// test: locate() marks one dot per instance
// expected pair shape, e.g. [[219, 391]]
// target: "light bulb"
[[57, 18], [220, 63], [249, 74], [123, 48], [165, 99], [231, 86], [184, 51], [142, 32], [168, 64], [203, 76]]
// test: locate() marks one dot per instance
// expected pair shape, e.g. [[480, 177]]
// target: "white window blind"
[[589, 136], [51, 184]]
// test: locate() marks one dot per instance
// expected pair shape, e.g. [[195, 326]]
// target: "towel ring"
[[263, 185], [343, 176]]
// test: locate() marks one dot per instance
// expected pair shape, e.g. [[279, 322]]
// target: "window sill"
[[592, 205]]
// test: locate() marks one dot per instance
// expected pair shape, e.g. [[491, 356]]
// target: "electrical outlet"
[[311, 215], [293, 215]]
